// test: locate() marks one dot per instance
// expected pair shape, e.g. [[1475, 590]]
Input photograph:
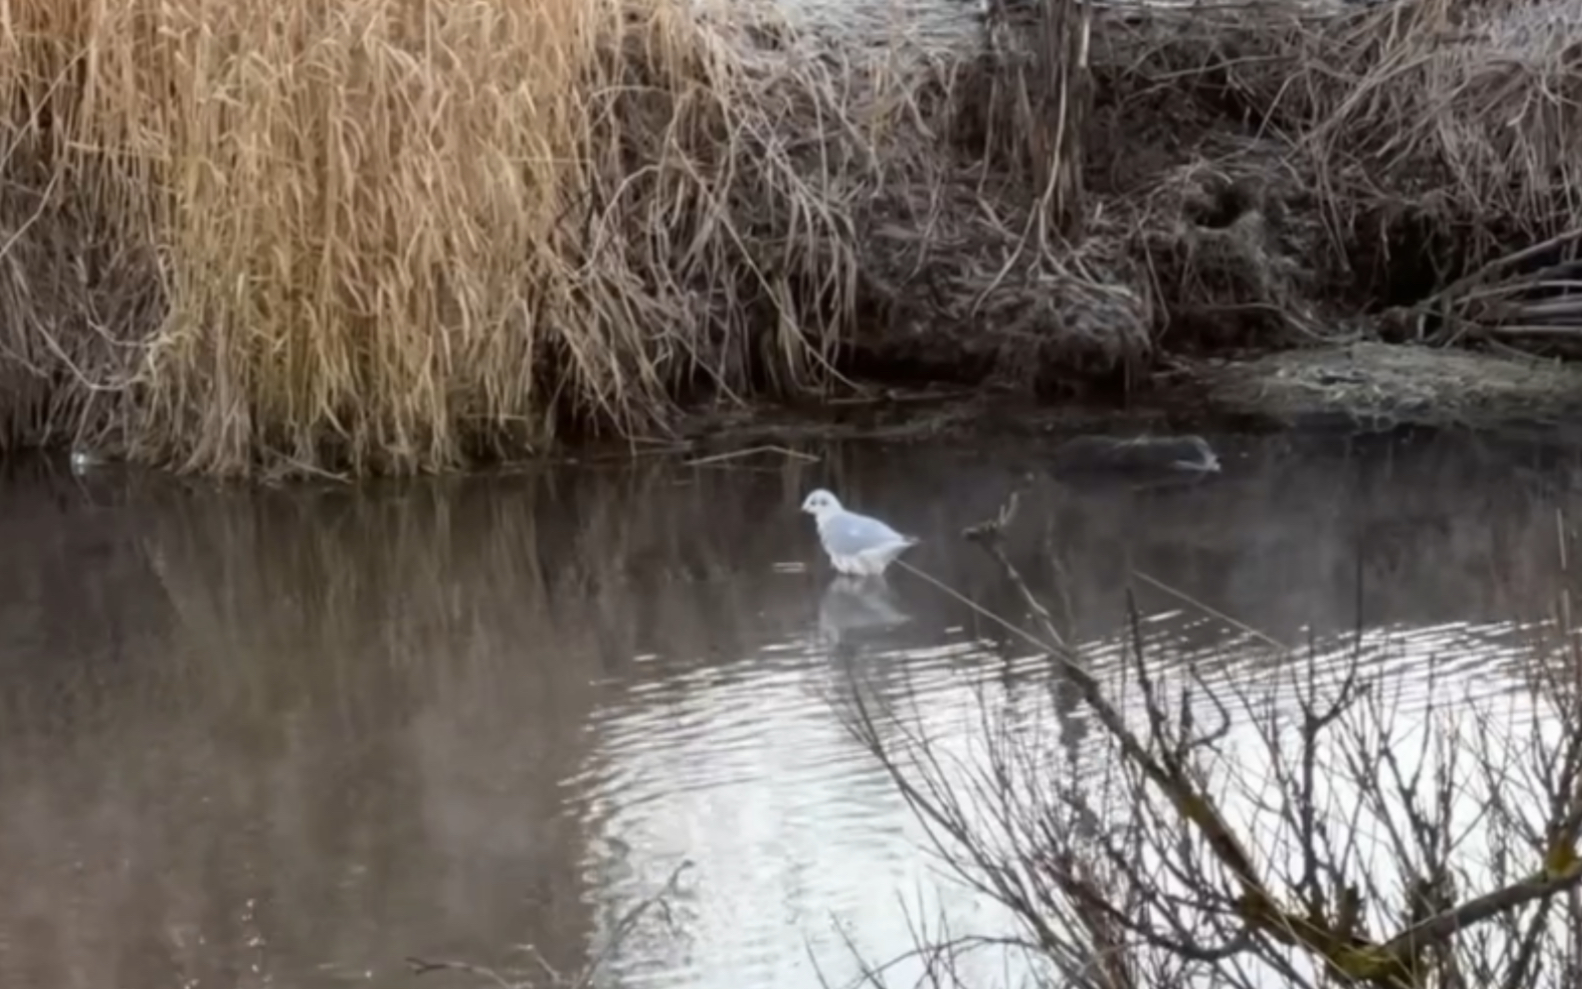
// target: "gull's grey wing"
[[847, 534]]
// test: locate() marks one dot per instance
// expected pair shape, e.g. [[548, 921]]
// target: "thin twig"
[[719, 458]]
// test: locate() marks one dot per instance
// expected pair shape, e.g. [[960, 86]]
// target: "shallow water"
[[290, 737]]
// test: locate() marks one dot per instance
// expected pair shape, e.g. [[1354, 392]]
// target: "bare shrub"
[[1284, 822]]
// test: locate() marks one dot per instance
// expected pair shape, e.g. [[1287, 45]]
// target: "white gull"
[[856, 544]]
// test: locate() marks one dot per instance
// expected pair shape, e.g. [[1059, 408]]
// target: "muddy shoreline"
[[1357, 389], [1364, 387]]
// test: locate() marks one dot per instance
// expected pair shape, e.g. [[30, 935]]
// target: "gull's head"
[[820, 504]]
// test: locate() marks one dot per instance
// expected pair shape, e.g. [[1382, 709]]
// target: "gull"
[[856, 544]]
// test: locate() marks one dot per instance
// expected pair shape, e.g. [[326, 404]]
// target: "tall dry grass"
[[387, 235], [376, 224]]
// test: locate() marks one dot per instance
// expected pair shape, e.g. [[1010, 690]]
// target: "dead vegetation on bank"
[[392, 235], [1384, 157]]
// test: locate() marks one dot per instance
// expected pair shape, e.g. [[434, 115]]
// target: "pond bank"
[[715, 207], [1362, 387]]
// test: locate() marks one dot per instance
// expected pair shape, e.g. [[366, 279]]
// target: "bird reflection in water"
[[855, 607]]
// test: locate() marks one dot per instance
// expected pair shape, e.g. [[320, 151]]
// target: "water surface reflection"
[[293, 736]]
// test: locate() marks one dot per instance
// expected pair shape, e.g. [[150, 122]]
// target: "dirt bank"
[[405, 249]]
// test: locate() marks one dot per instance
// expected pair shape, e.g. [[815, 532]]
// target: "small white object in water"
[[856, 544], [82, 460], [1207, 460]]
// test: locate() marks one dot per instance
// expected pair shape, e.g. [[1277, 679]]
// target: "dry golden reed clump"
[[376, 233]]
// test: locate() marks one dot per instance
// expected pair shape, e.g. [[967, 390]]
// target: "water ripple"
[[747, 770]]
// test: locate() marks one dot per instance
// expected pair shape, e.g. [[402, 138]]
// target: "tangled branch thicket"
[[395, 234], [1302, 822]]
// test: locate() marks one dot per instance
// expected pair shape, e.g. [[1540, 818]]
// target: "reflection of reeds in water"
[[288, 736], [330, 585], [543, 560], [348, 704]]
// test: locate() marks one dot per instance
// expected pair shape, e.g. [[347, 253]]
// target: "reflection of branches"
[[1159, 886], [548, 975]]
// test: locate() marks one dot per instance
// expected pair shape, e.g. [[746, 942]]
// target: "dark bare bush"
[[1285, 822]]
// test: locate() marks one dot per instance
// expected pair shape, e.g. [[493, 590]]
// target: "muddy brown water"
[[290, 737]]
